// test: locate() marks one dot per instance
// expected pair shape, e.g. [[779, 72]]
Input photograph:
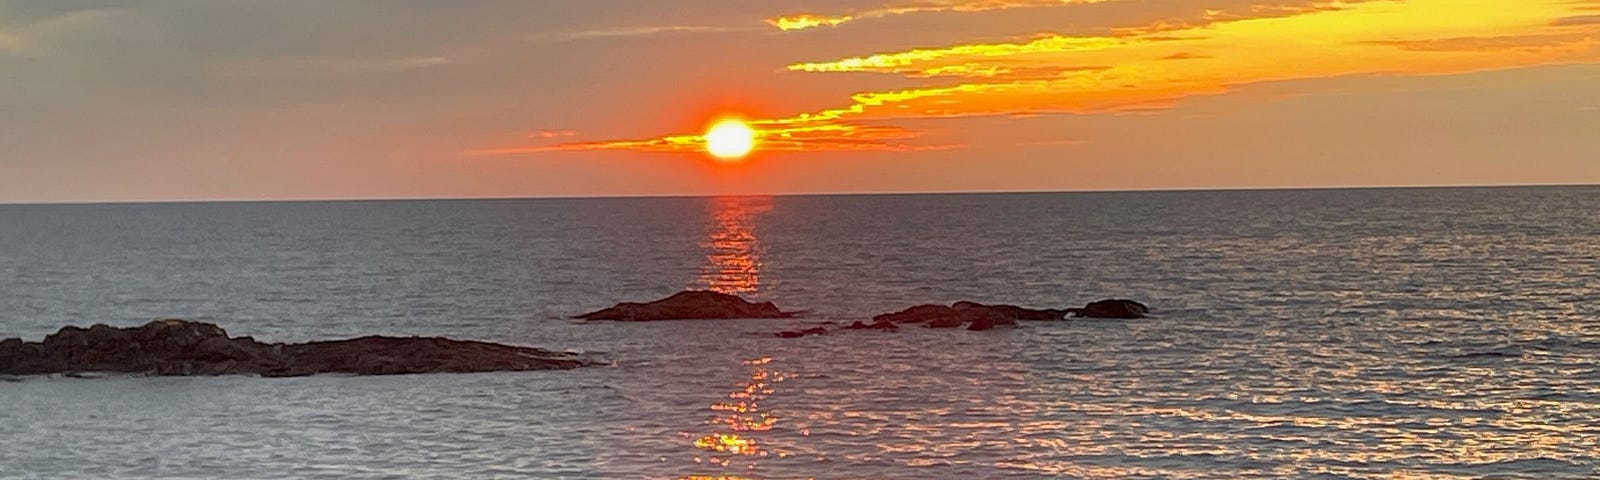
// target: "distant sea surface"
[[1395, 333]]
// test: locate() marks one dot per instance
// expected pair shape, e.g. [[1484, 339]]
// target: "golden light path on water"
[[733, 253], [738, 424]]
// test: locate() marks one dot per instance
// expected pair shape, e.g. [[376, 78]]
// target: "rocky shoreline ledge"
[[707, 305], [977, 317], [186, 348]]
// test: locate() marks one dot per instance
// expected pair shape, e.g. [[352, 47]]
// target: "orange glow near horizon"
[[1148, 67]]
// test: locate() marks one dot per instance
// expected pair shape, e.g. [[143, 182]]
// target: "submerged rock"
[[689, 305], [179, 347], [886, 326], [1012, 312], [802, 333], [377, 355], [989, 323], [1113, 308], [961, 313], [917, 314]]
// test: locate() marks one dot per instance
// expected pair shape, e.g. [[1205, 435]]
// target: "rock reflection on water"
[[733, 253], [736, 439]]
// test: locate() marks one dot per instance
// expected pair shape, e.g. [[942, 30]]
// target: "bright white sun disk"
[[730, 139]]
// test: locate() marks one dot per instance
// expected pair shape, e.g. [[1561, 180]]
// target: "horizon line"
[[793, 194]]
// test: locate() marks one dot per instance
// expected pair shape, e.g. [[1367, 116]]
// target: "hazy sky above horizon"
[[198, 99]]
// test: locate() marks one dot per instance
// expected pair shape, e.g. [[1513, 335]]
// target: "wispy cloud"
[[1489, 43], [806, 20], [796, 134], [548, 134], [1577, 20], [419, 62], [10, 43], [35, 38], [802, 21], [625, 32], [1054, 143]]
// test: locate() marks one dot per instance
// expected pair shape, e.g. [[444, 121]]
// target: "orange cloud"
[[804, 21], [1133, 69], [806, 133], [1578, 19], [809, 20], [552, 133]]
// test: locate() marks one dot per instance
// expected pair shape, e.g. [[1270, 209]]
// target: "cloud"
[[39, 36], [1054, 143], [802, 21], [626, 32], [798, 134], [1529, 42], [1132, 69], [10, 43], [914, 61], [420, 62], [546, 134], [1214, 13], [1577, 20]]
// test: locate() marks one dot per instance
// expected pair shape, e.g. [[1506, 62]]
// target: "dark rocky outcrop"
[[1113, 308], [690, 305], [179, 347]]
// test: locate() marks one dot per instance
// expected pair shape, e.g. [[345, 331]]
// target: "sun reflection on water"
[[738, 424], [733, 253]]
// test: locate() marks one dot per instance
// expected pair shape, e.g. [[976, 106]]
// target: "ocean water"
[[1405, 333]]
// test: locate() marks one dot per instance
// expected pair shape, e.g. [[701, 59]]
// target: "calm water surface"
[[1439, 333]]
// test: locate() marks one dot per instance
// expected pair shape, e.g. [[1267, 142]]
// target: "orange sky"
[[139, 100]]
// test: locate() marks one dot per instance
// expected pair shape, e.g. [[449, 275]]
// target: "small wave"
[[1529, 466], [1510, 353]]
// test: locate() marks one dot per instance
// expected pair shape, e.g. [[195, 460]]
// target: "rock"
[[178, 347], [1012, 312], [690, 305], [376, 355], [884, 325], [802, 333], [1113, 308], [917, 314], [968, 312], [990, 323]]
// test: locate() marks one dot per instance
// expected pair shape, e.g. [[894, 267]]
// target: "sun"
[[730, 139]]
